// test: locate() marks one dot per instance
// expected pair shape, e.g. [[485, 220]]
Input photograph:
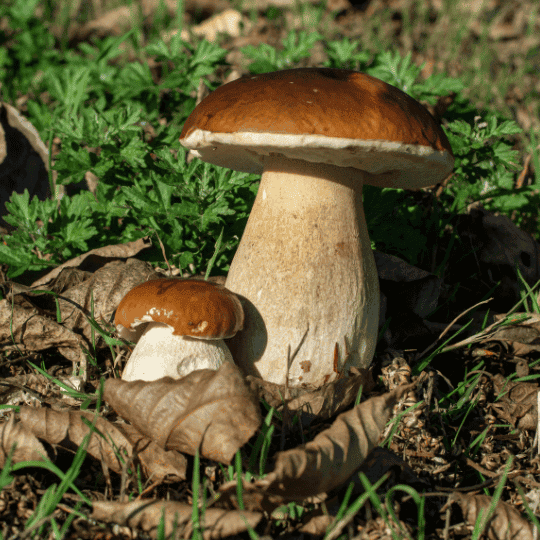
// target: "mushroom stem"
[[306, 275], [160, 353]]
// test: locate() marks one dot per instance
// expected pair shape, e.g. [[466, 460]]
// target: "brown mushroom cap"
[[194, 308], [322, 115]]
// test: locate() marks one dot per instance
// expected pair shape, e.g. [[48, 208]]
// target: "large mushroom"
[[178, 326], [304, 268]]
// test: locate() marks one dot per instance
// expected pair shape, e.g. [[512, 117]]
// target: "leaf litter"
[[216, 413], [342, 446]]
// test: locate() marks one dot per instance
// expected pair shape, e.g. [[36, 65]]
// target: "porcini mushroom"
[[178, 326], [304, 269]]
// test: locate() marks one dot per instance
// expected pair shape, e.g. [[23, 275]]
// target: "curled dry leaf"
[[334, 454], [228, 22], [517, 403], [414, 289], [111, 445], [506, 522], [213, 411], [329, 460], [32, 317], [523, 336], [35, 389], [93, 260], [317, 525], [314, 402], [177, 516], [94, 290], [157, 463], [34, 330], [27, 447]]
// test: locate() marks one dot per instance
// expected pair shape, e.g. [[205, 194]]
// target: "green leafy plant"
[[346, 54], [107, 121], [296, 47], [145, 186], [403, 73], [26, 50], [485, 164]]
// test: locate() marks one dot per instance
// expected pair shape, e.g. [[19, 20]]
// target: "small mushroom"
[[178, 326], [304, 269]]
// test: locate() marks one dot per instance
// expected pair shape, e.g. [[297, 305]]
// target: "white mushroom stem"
[[306, 276], [159, 353]]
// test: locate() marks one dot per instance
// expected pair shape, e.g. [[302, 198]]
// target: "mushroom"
[[304, 269], [178, 326]]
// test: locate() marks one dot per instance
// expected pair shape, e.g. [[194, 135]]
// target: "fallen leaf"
[[415, 289], [26, 328], [328, 461], [213, 411], [408, 294], [317, 525], [147, 515], [314, 402], [95, 259], [517, 402], [523, 336], [35, 389], [31, 318], [498, 246], [506, 522], [27, 447], [336, 453], [111, 444]]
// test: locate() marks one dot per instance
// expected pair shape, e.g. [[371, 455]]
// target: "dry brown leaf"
[[407, 295], [24, 158], [100, 291], [177, 516], [314, 403], [112, 444], [32, 317], [158, 463], [17, 390], [522, 336], [213, 411], [95, 259], [334, 454], [506, 522], [27, 447], [33, 330], [317, 525], [517, 403], [325, 463], [35, 389]]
